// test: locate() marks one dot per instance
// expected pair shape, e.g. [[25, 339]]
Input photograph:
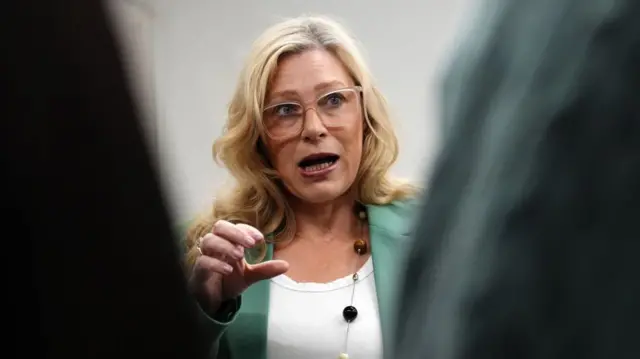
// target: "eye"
[[286, 109], [333, 99]]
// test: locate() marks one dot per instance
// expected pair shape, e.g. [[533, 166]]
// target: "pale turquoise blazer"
[[244, 334]]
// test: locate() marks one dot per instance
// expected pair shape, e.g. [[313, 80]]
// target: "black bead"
[[350, 313]]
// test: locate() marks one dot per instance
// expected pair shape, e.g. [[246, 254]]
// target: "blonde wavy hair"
[[258, 198]]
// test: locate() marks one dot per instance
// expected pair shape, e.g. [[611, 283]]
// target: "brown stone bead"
[[360, 247]]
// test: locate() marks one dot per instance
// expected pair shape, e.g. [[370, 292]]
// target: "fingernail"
[[227, 268], [257, 236], [250, 241], [238, 253]]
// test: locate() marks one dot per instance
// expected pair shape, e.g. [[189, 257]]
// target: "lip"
[[318, 173]]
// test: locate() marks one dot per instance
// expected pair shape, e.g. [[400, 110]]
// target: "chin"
[[320, 192]]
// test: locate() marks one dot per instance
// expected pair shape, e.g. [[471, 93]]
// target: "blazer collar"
[[389, 229], [394, 219]]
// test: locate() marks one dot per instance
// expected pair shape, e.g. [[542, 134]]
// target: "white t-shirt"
[[305, 319]]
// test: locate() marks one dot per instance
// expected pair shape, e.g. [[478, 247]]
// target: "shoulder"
[[397, 216], [399, 207]]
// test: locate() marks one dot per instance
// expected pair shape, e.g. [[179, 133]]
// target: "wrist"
[[226, 310]]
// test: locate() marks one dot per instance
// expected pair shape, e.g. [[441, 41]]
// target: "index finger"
[[251, 231], [232, 233]]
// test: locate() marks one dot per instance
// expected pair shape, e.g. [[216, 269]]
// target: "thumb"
[[267, 270]]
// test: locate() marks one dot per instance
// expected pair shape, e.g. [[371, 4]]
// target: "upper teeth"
[[317, 167]]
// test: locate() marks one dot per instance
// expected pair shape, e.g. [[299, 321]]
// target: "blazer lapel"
[[389, 228]]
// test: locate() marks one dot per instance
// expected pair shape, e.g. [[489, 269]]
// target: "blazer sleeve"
[[216, 324]]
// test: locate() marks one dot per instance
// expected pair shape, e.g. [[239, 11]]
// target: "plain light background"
[[188, 55]]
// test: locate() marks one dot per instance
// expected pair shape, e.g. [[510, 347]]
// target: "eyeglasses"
[[286, 119]]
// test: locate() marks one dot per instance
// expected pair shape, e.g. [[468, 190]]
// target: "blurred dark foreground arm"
[[91, 268], [529, 243]]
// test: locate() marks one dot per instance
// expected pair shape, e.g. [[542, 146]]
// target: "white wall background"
[[134, 22], [200, 45]]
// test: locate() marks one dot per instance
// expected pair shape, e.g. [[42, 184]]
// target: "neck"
[[332, 220]]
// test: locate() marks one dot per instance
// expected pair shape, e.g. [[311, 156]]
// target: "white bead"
[[343, 356]]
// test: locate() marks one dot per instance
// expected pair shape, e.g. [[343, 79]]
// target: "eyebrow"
[[319, 87]]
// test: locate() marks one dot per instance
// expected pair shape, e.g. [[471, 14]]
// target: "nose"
[[313, 129]]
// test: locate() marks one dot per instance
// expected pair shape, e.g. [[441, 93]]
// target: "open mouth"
[[318, 162]]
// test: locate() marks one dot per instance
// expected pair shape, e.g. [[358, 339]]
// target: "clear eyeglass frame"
[[331, 114]]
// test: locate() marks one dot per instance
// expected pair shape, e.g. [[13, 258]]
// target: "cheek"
[[354, 155], [281, 155], [352, 144]]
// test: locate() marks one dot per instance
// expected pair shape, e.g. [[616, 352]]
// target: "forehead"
[[308, 74]]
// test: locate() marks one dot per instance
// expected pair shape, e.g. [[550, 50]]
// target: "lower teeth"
[[317, 167]]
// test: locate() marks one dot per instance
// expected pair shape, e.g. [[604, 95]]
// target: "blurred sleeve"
[[527, 246], [91, 266]]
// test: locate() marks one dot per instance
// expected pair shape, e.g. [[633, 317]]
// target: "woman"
[[309, 142]]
